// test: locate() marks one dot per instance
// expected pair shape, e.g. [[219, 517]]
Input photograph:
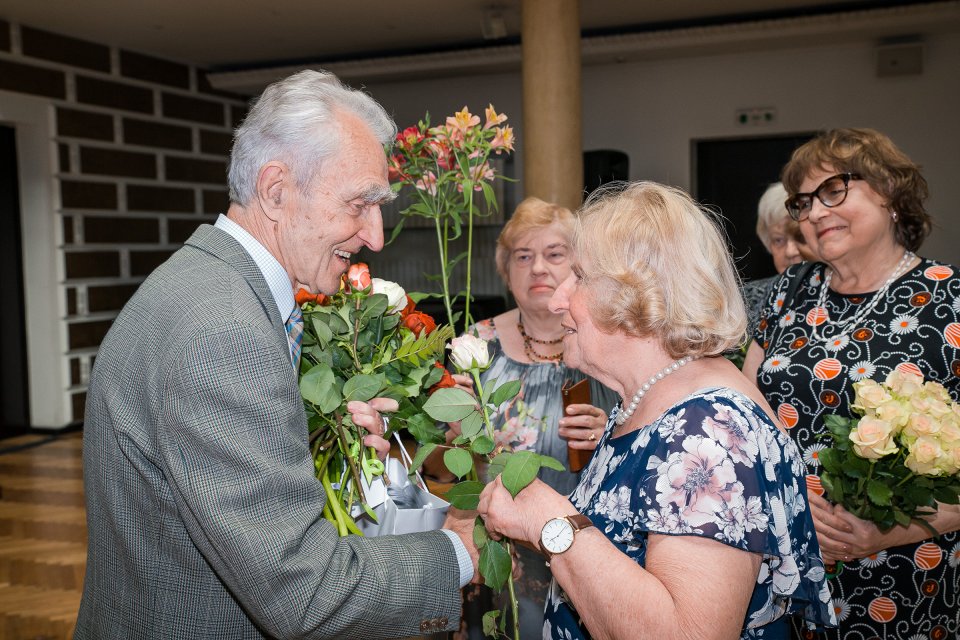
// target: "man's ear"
[[274, 185]]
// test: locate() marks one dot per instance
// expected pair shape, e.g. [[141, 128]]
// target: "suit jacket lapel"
[[223, 246]]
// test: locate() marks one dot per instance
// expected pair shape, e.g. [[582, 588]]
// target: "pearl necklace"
[[842, 328], [625, 414]]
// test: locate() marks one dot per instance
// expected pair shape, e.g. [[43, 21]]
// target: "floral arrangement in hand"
[[470, 354], [444, 166], [365, 342], [901, 457]]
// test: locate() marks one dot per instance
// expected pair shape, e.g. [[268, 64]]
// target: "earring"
[[893, 214]]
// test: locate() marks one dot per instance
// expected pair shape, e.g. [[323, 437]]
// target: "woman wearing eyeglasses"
[[871, 307]]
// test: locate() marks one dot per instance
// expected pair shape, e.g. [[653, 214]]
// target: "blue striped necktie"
[[294, 326]]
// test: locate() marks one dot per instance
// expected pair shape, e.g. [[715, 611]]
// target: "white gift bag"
[[402, 506]]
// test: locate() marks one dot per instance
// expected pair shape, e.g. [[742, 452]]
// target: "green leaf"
[[490, 623], [480, 536], [879, 493], [520, 470], [830, 459], [420, 456], [458, 461], [465, 495], [450, 405], [471, 425], [318, 386], [362, 387], [495, 565], [424, 430], [901, 518], [551, 463], [506, 391], [320, 327], [838, 425], [484, 445], [945, 495]]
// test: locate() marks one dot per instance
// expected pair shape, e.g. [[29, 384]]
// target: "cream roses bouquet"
[[901, 457]]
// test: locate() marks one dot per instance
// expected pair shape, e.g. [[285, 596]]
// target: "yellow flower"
[[503, 141], [463, 120], [493, 118], [873, 439]]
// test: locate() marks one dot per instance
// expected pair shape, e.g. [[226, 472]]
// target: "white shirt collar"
[[276, 276]]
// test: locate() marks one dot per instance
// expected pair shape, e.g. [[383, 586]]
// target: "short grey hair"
[[771, 211], [295, 121]]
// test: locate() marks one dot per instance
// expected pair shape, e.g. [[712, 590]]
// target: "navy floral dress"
[[713, 466], [912, 591]]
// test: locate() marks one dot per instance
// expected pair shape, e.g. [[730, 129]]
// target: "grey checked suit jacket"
[[203, 510]]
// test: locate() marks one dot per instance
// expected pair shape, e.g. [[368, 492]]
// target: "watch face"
[[557, 535]]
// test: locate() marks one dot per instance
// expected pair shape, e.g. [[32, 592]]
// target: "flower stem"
[[514, 605], [441, 246], [487, 425], [467, 318]]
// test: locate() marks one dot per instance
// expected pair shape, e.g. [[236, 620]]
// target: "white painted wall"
[[652, 110]]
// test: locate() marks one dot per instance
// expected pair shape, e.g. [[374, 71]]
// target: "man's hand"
[[461, 523], [368, 415]]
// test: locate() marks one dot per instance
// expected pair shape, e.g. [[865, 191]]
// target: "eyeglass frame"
[[799, 217]]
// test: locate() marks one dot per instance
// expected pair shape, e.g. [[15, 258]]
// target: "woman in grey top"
[[533, 258]]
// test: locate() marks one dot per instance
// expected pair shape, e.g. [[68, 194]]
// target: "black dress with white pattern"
[[912, 591]]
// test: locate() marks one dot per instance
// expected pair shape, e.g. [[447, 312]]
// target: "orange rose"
[[420, 323], [446, 381], [409, 308], [303, 296], [358, 276]]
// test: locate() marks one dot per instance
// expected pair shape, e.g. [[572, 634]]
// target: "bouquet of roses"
[[366, 341], [901, 457]]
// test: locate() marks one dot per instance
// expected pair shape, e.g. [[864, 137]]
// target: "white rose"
[[469, 351], [396, 296]]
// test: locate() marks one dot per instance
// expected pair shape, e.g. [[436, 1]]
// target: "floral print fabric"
[[912, 591], [713, 466]]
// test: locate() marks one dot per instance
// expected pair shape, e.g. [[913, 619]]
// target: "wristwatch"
[[557, 534]]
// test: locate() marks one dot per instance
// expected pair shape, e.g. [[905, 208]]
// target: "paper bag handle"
[[407, 461]]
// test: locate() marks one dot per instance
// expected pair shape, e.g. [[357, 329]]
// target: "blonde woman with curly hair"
[[691, 519]]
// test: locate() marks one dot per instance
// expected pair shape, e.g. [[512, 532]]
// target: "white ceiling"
[[248, 33]]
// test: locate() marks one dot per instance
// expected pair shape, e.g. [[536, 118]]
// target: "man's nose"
[[372, 233]]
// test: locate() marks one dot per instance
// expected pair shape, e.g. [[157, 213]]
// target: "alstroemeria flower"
[[468, 351], [396, 296], [462, 121], [409, 137], [493, 118], [358, 276], [427, 183], [503, 141], [395, 166]]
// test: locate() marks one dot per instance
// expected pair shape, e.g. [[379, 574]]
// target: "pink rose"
[[873, 439]]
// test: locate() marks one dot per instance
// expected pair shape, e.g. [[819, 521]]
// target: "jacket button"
[[425, 626]]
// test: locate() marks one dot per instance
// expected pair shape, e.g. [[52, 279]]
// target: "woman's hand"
[[582, 426], [523, 517], [832, 531], [368, 415]]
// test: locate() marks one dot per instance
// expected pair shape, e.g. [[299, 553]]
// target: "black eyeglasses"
[[831, 193]]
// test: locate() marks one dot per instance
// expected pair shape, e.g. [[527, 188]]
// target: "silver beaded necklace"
[[842, 328], [625, 414]]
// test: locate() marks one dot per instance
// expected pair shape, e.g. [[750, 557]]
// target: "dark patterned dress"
[[908, 592], [712, 466]]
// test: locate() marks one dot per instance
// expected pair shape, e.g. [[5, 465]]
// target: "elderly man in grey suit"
[[204, 514]]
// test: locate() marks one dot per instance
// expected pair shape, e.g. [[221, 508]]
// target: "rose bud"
[[358, 276]]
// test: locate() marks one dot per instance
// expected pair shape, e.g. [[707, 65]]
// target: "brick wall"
[[141, 146]]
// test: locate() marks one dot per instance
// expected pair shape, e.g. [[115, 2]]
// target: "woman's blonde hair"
[[532, 213], [658, 266]]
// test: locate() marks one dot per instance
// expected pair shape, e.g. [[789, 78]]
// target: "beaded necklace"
[[531, 352], [626, 412], [842, 328]]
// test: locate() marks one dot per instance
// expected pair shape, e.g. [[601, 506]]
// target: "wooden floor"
[[43, 537]]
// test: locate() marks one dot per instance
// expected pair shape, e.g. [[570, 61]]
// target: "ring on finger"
[[592, 437]]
